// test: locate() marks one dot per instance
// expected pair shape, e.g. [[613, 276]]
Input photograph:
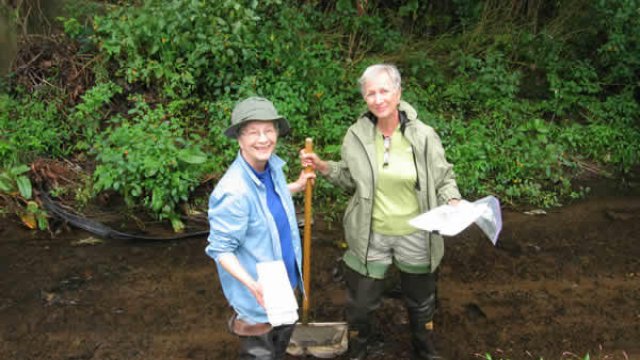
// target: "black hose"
[[102, 230]]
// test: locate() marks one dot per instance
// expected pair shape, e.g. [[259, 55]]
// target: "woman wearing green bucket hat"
[[252, 220]]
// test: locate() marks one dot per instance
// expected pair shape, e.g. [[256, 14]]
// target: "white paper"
[[450, 220], [280, 302]]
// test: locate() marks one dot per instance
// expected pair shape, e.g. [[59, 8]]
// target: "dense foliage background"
[[527, 96]]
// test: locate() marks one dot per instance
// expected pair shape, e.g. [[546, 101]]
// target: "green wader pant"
[[364, 295]]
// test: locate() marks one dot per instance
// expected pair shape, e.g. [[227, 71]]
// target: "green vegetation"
[[150, 161], [525, 99]]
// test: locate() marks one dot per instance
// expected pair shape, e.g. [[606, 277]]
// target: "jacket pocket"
[[351, 206], [357, 223]]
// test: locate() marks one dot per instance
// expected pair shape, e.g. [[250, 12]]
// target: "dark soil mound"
[[556, 285]]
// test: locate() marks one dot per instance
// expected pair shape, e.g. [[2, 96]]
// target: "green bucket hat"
[[255, 109]]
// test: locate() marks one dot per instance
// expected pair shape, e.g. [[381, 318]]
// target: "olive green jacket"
[[357, 171]]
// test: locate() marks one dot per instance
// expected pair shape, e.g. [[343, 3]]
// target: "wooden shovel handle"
[[306, 249]]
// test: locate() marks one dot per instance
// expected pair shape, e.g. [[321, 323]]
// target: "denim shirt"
[[241, 224]]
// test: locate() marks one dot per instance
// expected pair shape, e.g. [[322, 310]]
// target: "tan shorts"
[[409, 252]]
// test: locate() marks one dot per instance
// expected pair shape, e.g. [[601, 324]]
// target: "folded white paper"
[[280, 302], [450, 220]]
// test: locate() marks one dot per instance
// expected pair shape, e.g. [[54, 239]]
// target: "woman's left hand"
[[454, 202]]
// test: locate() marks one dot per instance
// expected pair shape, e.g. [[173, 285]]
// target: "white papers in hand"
[[450, 220], [280, 302]]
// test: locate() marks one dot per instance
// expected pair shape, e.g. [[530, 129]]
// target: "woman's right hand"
[[258, 293], [313, 160]]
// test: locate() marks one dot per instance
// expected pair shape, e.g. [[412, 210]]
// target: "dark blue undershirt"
[[282, 223]]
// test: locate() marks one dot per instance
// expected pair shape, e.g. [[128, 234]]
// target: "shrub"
[[149, 161], [182, 47], [30, 127]]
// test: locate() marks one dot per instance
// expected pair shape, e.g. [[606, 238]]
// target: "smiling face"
[[381, 96], [257, 140]]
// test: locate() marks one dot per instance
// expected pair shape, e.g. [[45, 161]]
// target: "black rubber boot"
[[281, 335], [420, 297], [357, 347], [269, 346], [363, 297]]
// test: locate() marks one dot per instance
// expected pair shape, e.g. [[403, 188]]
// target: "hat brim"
[[283, 127]]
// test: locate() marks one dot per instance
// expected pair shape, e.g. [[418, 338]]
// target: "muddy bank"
[[564, 282]]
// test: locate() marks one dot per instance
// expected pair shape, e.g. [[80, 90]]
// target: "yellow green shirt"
[[395, 201]]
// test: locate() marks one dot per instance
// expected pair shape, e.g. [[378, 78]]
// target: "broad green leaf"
[[6, 185], [24, 185], [192, 157], [177, 224], [20, 169]]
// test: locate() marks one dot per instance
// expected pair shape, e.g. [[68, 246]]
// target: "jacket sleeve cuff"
[[450, 194], [334, 170]]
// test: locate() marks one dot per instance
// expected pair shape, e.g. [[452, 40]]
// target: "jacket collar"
[[275, 163], [406, 112]]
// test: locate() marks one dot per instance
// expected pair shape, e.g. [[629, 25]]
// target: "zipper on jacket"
[[415, 166], [426, 182]]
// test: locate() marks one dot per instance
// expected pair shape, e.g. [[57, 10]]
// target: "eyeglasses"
[[386, 142], [256, 134]]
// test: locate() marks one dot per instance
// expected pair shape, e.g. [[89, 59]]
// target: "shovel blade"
[[321, 340]]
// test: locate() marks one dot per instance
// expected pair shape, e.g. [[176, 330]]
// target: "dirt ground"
[[557, 286]]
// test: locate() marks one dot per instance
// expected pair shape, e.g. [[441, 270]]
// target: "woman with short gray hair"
[[395, 167]]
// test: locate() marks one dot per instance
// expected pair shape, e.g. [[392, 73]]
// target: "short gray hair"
[[377, 69]]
